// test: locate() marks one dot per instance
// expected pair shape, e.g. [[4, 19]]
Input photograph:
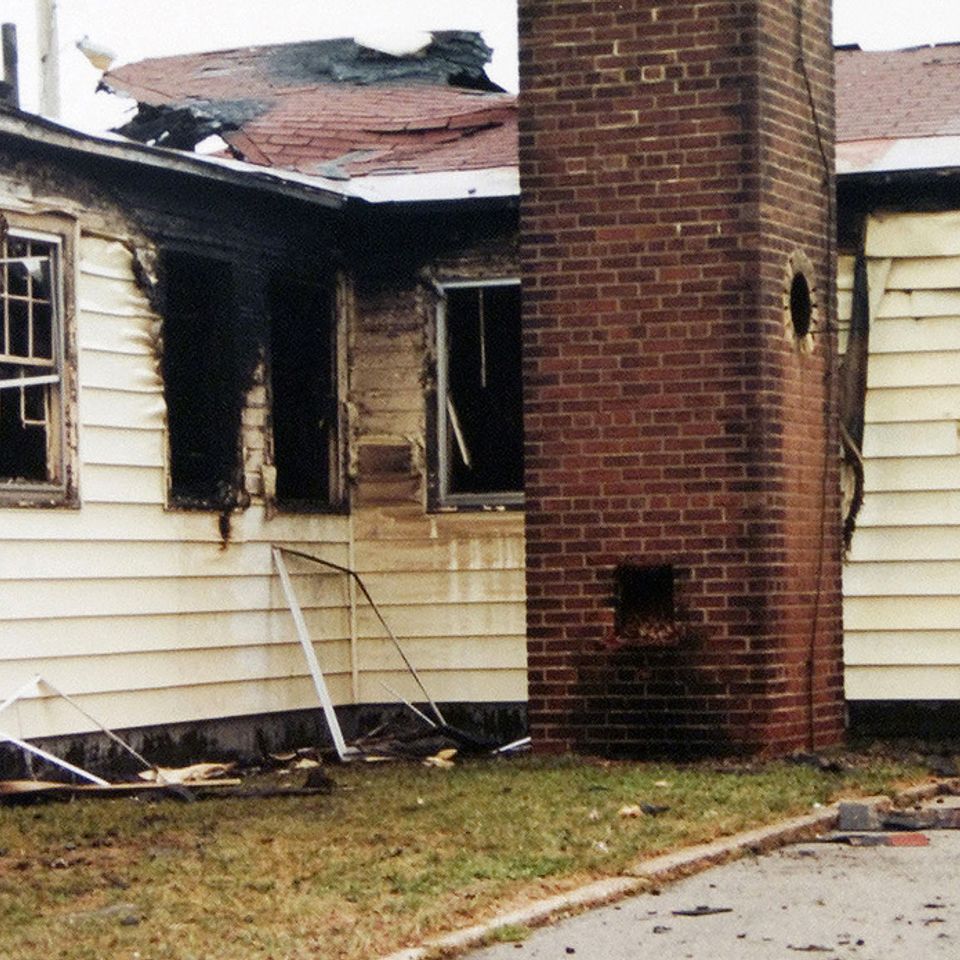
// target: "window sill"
[[474, 505]]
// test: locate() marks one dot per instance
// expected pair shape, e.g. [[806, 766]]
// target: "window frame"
[[60, 488], [331, 282], [177, 497], [443, 497]]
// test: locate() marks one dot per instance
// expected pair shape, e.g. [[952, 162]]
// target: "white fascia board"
[[446, 185], [889, 156]]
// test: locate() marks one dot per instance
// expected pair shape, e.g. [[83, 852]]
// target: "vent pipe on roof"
[[10, 86], [48, 40]]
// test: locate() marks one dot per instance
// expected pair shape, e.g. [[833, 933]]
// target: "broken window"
[[480, 397], [202, 395], [303, 383], [31, 361]]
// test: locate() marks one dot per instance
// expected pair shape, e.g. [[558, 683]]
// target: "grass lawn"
[[395, 853]]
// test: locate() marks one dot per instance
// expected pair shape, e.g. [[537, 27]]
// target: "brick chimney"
[[682, 506]]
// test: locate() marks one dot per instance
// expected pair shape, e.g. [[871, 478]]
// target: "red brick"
[[670, 167]]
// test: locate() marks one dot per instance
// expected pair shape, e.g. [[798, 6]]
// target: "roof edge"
[[28, 126]]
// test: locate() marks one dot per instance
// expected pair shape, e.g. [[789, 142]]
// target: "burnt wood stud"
[[679, 362]]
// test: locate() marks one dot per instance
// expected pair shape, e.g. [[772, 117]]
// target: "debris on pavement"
[[702, 910], [878, 839]]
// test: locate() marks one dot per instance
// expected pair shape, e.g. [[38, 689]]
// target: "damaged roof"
[[333, 109], [898, 109]]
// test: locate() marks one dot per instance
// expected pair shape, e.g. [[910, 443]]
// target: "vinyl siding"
[[902, 575], [148, 618]]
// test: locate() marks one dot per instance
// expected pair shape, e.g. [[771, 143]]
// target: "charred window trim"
[[330, 284], [442, 430], [59, 487]]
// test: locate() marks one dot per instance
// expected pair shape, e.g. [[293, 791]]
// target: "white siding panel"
[[921, 335], [128, 409], [108, 297], [322, 534], [903, 683], [914, 370], [75, 559], [100, 598], [933, 508], [170, 632], [911, 439], [446, 620], [844, 306], [111, 484], [916, 473], [925, 273], [123, 371], [905, 543], [931, 579], [910, 404], [150, 671], [891, 648], [459, 686], [189, 701], [902, 613], [913, 235], [106, 257], [919, 303], [132, 448], [845, 265], [129, 335], [469, 653]]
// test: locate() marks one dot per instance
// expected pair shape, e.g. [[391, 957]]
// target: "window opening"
[[30, 360], [644, 605], [202, 396], [304, 389], [480, 394]]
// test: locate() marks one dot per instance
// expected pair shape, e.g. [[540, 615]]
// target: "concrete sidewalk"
[[818, 899]]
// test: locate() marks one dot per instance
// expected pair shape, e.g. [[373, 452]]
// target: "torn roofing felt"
[[331, 108]]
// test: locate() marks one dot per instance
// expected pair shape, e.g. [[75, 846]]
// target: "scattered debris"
[[191, 774], [878, 839], [305, 763], [809, 948], [442, 759], [702, 910], [630, 811]]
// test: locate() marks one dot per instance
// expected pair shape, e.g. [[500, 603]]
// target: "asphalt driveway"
[[813, 899]]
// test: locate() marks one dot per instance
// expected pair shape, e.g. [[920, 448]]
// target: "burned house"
[[301, 327], [308, 337]]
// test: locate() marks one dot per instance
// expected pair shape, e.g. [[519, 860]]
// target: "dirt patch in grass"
[[396, 853]]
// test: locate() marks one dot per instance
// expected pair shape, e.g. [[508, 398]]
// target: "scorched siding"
[[140, 611]]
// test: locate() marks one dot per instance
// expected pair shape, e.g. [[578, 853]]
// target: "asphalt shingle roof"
[[333, 108], [898, 94]]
